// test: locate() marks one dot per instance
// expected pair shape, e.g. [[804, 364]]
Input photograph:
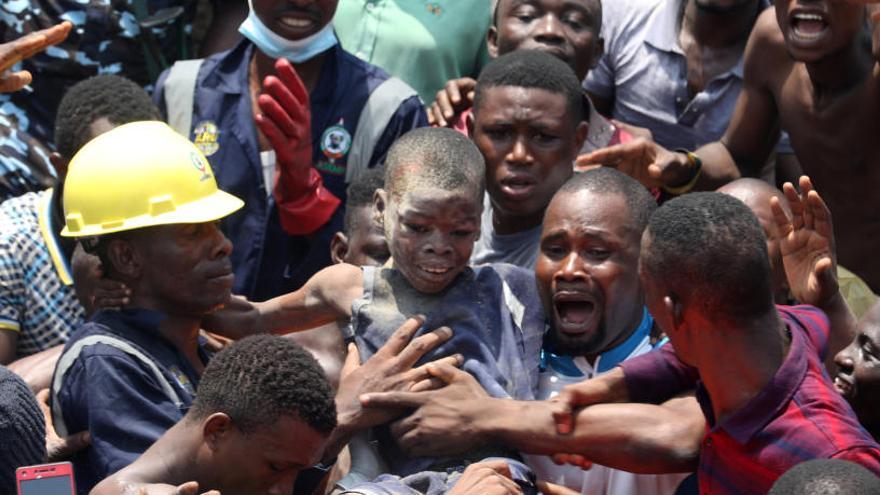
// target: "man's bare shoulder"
[[767, 38], [766, 57]]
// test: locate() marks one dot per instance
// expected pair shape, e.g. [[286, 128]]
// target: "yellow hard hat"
[[140, 175]]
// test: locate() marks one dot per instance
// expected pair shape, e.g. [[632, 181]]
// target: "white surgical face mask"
[[275, 46]]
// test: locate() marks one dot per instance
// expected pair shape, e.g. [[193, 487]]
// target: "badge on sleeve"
[[206, 137], [336, 141]]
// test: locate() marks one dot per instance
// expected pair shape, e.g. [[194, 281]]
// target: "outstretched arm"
[[636, 437], [807, 244], [325, 298]]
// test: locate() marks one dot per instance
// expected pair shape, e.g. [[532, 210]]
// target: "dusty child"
[[430, 211]]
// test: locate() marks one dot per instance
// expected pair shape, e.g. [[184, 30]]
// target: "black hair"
[[258, 379], [533, 69], [360, 194], [709, 247], [22, 429], [604, 180], [115, 98], [434, 157], [826, 477]]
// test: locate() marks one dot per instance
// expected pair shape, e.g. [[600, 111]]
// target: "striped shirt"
[[36, 287], [796, 417]]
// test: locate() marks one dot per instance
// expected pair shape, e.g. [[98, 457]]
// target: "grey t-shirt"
[[520, 249]]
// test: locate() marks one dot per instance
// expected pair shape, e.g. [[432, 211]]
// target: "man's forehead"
[[539, 103], [606, 219], [589, 210], [589, 5]]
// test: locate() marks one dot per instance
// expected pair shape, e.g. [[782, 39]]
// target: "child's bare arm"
[[325, 298]]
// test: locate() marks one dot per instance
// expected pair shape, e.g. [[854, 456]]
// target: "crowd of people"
[[482, 247]]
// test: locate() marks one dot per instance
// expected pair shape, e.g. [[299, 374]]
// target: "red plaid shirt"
[[796, 417]]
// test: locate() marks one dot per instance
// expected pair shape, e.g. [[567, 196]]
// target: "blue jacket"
[[267, 261], [116, 397]]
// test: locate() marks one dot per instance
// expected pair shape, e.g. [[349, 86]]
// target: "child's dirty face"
[[431, 233]]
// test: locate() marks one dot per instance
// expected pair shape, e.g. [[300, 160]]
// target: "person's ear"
[[59, 163], [216, 428], [492, 41], [380, 203], [124, 258], [673, 306], [598, 51], [338, 247]]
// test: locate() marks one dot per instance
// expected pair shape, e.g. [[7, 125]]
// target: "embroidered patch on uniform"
[[201, 165], [434, 8], [205, 137], [336, 141], [330, 168], [182, 380]]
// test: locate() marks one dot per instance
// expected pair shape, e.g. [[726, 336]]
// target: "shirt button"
[[370, 6], [708, 442]]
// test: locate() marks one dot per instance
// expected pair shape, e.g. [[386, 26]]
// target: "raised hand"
[[25, 47], [643, 160], [304, 205], [456, 97], [807, 244]]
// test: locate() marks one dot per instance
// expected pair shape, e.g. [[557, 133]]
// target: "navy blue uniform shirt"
[[267, 261], [117, 398]]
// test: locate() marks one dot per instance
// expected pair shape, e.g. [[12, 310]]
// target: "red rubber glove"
[[304, 205]]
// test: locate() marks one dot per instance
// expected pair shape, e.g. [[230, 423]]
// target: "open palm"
[[806, 241]]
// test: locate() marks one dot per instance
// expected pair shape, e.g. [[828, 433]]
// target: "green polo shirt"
[[423, 42]]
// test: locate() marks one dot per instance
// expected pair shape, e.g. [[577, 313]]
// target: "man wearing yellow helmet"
[[144, 199]]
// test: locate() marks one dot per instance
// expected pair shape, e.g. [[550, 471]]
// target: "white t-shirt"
[[559, 371]]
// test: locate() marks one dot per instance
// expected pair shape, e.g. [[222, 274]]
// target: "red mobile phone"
[[46, 479]]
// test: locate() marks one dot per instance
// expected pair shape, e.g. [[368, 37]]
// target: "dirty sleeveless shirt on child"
[[497, 321]]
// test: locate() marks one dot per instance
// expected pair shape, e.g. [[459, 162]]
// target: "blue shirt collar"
[[664, 24], [608, 359]]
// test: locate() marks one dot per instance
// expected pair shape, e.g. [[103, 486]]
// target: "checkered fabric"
[[36, 288]]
